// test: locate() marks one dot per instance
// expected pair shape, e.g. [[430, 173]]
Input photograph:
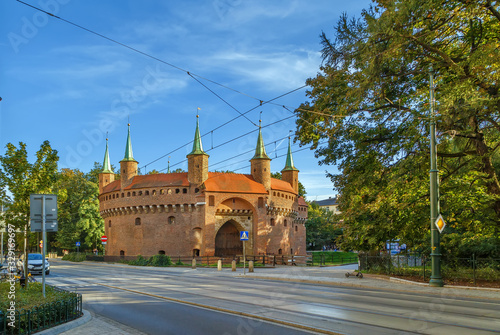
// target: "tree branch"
[[493, 11]]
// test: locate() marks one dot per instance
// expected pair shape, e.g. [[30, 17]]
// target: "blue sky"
[[66, 85]]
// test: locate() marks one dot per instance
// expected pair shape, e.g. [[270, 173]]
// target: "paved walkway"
[[326, 276]]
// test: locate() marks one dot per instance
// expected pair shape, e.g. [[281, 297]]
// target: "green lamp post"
[[436, 279]]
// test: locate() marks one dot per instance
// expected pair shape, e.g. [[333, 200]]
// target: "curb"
[[68, 325], [393, 279], [310, 281]]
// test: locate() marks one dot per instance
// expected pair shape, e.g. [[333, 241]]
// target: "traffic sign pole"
[[104, 240], [244, 257], [436, 279], [43, 246]]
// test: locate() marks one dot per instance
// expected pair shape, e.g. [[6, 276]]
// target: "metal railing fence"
[[472, 269], [42, 317]]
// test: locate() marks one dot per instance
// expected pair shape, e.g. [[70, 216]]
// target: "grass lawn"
[[333, 257]]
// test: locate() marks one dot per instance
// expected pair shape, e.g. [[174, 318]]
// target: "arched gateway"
[[227, 241]]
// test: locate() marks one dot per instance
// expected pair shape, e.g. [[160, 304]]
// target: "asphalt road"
[[150, 300]]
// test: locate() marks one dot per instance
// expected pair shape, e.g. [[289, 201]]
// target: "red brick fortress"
[[200, 212]]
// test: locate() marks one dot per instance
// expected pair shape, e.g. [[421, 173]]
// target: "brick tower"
[[289, 173], [261, 163], [128, 165], [106, 176], [197, 159]]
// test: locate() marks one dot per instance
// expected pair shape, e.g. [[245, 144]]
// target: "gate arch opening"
[[227, 241]]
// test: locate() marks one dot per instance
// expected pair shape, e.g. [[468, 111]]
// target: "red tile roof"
[[302, 202], [114, 186], [233, 183], [159, 180], [216, 182], [151, 180], [280, 185]]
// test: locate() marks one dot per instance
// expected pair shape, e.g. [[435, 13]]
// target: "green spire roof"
[[197, 147], [129, 156], [106, 165], [289, 160], [260, 150]]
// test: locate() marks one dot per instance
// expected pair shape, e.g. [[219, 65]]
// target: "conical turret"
[[260, 150], [106, 165], [261, 163], [128, 165], [106, 175], [197, 159], [129, 156], [289, 173]]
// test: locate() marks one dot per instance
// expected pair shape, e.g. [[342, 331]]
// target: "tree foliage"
[[19, 178], [370, 102], [79, 219], [322, 228]]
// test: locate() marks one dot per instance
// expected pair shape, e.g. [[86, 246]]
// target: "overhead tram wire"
[[244, 153], [184, 160], [218, 96], [283, 155], [262, 103], [227, 142], [192, 75]]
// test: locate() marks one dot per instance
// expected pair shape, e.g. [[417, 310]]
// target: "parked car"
[[35, 264]]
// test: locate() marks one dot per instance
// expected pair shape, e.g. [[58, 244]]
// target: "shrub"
[[156, 260], [140, 261], [74, 257], [160, 260]]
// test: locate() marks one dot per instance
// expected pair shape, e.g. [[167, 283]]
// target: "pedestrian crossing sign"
[[244, 235]]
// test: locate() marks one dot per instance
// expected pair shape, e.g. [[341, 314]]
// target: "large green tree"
[[370, 101], [79, 219], [322, 228], [19, 178]]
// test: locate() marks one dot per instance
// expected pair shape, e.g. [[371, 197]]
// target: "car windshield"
[[35, 257]]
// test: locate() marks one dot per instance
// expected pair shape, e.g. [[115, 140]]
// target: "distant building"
[[330, 204], [202, 213]]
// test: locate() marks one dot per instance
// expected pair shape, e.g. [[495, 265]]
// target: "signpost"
[[244, 238], [104, 240], [43, 217], [440, 224], [436, 279], [77, 246]]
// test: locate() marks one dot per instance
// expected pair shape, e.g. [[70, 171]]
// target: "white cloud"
[[278, 70]]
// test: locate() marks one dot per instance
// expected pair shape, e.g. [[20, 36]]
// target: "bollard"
[[233, 265], [250, 266], [219, 265], [193, 263]]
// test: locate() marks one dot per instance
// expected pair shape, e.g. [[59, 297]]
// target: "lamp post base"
[[436, 282]]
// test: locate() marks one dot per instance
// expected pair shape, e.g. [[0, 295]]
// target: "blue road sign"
[[243, 235], [77, 244]]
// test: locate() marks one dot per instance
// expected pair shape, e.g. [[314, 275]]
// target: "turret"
[[128, 165], [106, 175], [197, 159], [261, 163], [289, 173]]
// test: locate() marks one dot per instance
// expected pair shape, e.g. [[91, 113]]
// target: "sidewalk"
[[324, 276]]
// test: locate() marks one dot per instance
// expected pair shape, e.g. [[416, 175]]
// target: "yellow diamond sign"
[[440, 224]]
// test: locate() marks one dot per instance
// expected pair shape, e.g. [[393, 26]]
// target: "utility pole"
[[436, 279]]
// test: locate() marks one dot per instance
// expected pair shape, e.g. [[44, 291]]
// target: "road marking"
[[224, 310], [68, 282]]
